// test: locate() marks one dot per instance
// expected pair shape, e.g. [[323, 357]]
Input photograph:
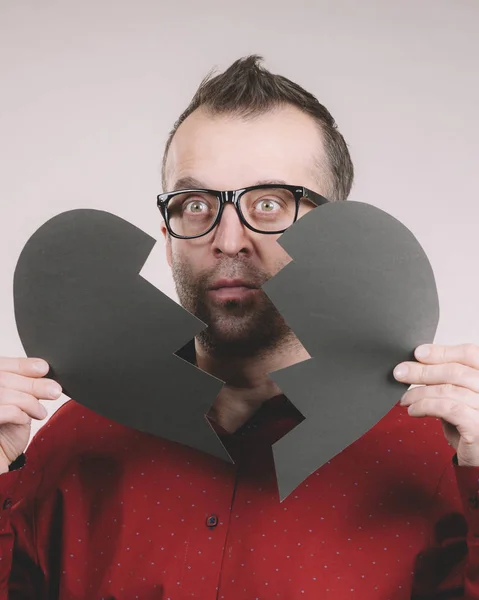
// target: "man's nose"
[[231, 236]]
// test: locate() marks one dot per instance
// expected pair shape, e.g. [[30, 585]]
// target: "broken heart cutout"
[[108, 334], [359, 294], [364, 298]]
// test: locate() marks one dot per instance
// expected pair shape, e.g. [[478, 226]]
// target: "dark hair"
[[248, 89]]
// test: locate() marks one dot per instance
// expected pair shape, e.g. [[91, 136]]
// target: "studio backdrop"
[[90, 90]]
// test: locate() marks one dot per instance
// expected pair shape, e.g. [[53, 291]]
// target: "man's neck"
[[247, 384]]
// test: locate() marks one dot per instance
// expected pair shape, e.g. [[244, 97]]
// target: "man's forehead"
[[226, 155]]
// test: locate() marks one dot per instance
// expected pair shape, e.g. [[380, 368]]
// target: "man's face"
[[226, 153]]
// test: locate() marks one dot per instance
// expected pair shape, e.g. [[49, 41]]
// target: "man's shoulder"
[[77, 447], [77, 418], [74, 429]]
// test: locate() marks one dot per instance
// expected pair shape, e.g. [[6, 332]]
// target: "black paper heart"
[[108, 334], [360, 295]]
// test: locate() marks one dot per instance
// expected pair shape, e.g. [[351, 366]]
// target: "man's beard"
[[237, 328]]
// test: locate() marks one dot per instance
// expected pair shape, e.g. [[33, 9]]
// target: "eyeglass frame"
[[233, 197]]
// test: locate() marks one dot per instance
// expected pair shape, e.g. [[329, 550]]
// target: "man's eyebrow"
[[186, 183], [189, 182], [271, 182]]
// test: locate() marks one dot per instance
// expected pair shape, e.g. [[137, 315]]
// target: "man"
[[97, 510]]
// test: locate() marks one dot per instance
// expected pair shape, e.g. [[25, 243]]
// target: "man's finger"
[[465, 354], [464, 418], [452, 412], [45, 389], [447, 390], [25, 402], [28, 367], [12, 415], [457, 374]]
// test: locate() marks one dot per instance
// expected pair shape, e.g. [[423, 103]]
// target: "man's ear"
[[167, 235]]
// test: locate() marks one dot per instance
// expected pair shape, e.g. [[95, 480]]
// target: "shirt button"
[[212, 521], [7, 503]]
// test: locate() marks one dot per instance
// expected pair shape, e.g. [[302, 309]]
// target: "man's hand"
[[22, 385], [450, 392]]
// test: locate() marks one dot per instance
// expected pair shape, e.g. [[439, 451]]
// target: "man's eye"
[[268, 205], [195, 206]]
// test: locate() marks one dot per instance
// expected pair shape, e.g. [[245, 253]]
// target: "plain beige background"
[[89, 90]]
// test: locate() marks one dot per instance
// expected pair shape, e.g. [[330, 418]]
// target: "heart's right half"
[[360, 295]]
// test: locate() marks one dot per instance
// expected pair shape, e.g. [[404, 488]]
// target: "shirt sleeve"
[[20, 577], [468, 483], [448, 565]]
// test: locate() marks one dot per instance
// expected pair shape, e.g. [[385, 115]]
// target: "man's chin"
[[240, 326], [227, 333], [233, 345], [240, 336], [236, 307]]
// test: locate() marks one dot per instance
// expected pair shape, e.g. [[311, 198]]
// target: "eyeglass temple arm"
[[316, 198]]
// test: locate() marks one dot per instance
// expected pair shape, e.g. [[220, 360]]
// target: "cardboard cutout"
[[108, 334], [360, 295]]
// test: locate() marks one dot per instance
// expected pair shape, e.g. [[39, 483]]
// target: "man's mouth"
[[232, 289]]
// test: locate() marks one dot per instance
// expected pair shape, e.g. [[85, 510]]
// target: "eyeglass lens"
[[267, 209]]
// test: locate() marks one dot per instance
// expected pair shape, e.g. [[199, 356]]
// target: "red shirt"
[[101, 511]]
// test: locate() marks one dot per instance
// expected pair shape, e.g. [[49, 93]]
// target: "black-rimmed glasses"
[[269, 209]]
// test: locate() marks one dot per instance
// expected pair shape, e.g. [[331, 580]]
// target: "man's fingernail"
[[40, 366], [422, 351], [54, 391], [401, 371]]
